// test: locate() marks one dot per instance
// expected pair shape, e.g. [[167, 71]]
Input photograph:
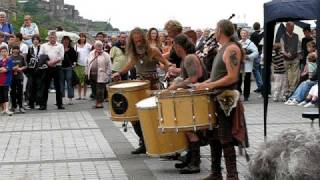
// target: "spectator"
[[256, 38], [118, 57], [251, 53], [2, 43], [5, 79], [32, 74], [304, 50], [16, 92], [28, 29], [23, 47], [68, 62], [153, 38], [312, 98], [11, 42], [279, 73], [290, 44], [99, 71], [162, 39], [83, 49], [5, 27], [55, 53], [300, 93]]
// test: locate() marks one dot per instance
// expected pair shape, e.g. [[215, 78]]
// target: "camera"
[[248, 51]]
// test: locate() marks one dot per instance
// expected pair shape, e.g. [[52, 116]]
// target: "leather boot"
[[216, 153], [231, 161], [194, 165], [141, 149], [213, 177], [185, 161]]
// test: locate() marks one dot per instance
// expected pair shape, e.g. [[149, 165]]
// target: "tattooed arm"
[[232, 58], [192, 66]]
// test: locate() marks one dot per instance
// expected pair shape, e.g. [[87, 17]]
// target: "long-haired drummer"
[[144, 58], [192, 71], [224, 75]]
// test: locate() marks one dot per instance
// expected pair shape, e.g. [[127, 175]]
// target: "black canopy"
[[286, 10]]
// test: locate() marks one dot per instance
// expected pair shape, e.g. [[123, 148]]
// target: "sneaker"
[[9, 113], [302, 103], [52, 90], [309, 105], [21, 110], [275, 99], [293, 102], [70, 102], [288, 102]]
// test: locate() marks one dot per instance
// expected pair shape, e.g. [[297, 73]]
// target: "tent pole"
[[318, 62]]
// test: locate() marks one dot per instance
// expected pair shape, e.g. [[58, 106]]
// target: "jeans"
[[257, 75], [66, 76], [303, 89]]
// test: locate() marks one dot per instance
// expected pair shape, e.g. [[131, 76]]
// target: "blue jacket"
[[8, 28]]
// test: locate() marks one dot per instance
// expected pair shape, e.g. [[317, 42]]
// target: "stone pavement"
[[82, 143]]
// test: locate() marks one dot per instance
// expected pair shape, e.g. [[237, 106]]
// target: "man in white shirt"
[[55, 52]]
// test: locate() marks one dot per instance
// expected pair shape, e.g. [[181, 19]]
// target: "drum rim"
[[144, 86], [183, 127], [180, 93]]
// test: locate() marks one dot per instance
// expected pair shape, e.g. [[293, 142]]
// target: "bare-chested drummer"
[[192, 71]]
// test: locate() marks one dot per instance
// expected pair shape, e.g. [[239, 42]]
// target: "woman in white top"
[[251, 53], [83, 49], [28, 29]]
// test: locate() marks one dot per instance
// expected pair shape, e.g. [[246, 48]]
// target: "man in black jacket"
[[256, 38]]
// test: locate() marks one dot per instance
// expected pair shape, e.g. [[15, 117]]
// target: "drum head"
[[147, 103], [128, 84]]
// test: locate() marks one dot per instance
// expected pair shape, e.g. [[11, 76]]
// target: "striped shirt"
[[278, 62]]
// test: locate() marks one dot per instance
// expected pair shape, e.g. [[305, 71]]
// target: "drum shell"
[[186, 111], [132, 95], [159, 144]]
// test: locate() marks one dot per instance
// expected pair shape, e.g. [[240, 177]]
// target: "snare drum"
[[157, 143], [123, 96], [185, 110]]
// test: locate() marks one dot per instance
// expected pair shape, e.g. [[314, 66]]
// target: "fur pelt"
[[228, 100], [293, 155]]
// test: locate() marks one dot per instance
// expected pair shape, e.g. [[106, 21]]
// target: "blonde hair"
[[174, 25]]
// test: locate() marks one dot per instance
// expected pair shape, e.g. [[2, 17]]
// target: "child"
[[2, 43], [311, 66], [312, 98], [310, 72], [5, 79], [279, 73], [16, 94]]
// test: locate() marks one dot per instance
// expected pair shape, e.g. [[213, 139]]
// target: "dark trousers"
[[31, 90], [44, 84], [247, 84], [137, 129], [16, 92]]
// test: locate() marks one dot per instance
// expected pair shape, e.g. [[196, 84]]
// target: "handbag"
[[75, 78]]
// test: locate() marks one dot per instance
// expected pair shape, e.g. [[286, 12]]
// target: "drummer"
[[192, 71], [145, 59], [224, 75]]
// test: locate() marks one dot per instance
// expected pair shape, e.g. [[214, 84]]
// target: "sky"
[[127, 14]]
